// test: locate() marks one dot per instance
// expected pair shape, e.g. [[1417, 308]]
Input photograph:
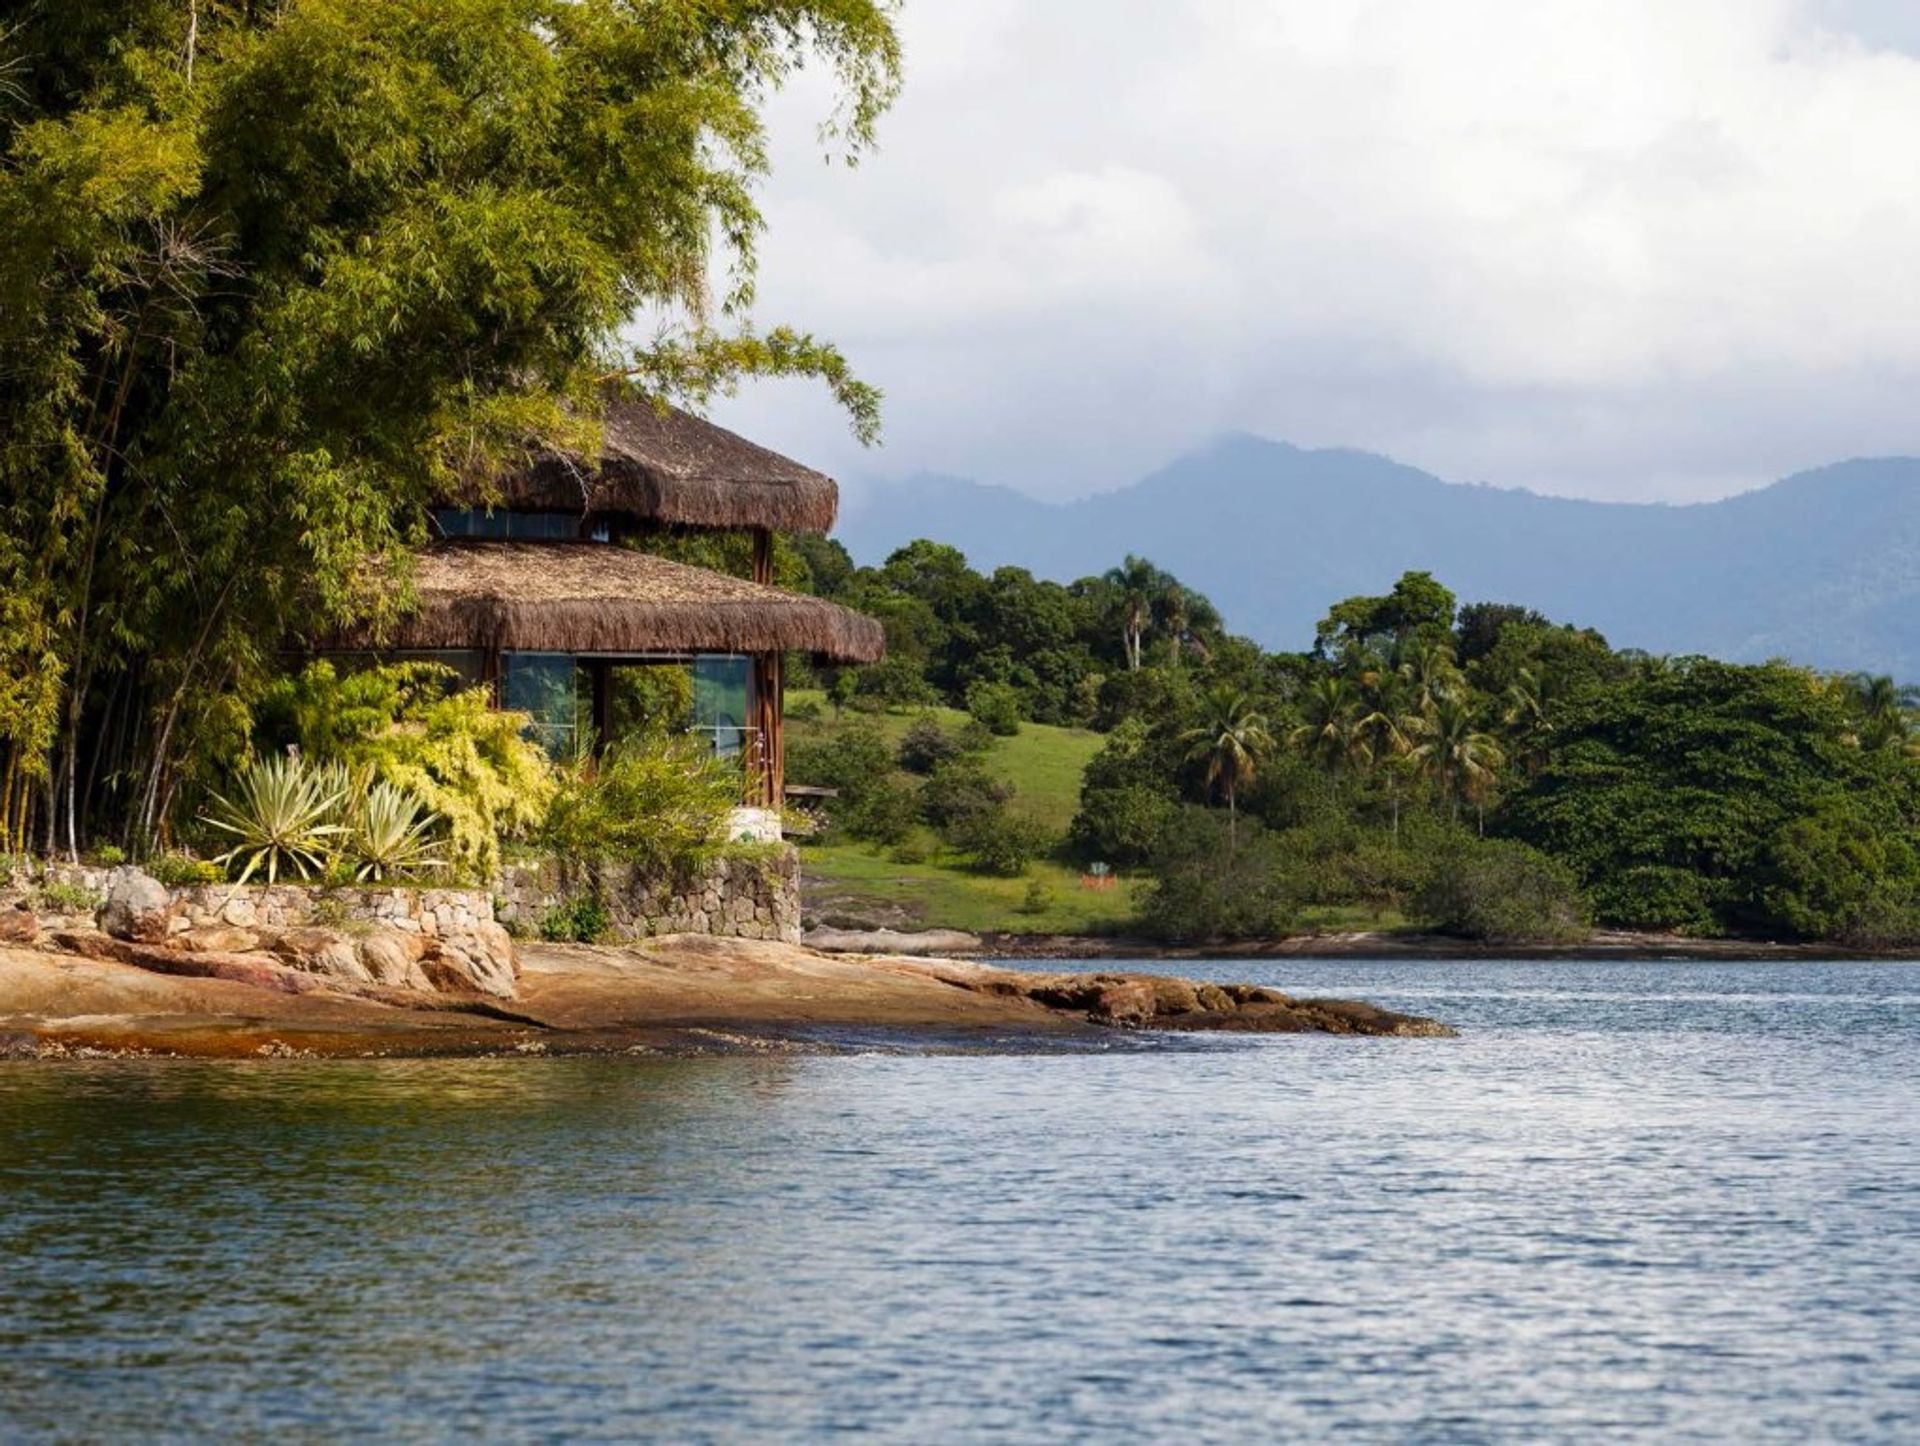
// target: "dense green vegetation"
[[278, 274], [1482, 770]]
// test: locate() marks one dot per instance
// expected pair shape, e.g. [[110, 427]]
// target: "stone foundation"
[[744, 897], [747, 896]]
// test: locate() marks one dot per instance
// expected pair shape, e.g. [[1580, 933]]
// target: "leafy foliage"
[[466, 762], [389, 834], [659, 802], [1501, 892]]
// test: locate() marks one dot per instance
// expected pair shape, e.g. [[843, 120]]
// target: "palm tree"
[[1431, 672], [1457, 754], [1232, 740], [1332, 734], [1138, 582], [1883, 708], [1389, 730], [1527, 704]]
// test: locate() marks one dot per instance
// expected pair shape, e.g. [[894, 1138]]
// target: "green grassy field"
[[863, 883]]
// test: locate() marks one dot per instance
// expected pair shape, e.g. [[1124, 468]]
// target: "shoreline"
[[673, 997], [1383, 945]]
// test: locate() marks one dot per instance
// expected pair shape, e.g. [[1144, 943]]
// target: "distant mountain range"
[[1822, 568]]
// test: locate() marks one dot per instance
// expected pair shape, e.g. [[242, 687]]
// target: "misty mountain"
[[1823, 567]]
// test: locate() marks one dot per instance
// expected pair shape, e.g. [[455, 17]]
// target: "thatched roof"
[[671, 466], [593, 597]]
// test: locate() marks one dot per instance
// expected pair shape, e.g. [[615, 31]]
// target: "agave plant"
[[282, 814], [390, 835]]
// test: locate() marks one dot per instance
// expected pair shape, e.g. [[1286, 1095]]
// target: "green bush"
[[926, 745], [1000, 842], [1655, 896], [995, 707], [884, 812], [660, 802], [1206, 889], [110, 856], [179, 871], [450, 748], [582, 919], [1038, 898], [60, 898], [1833, 876], [959, 792], [1124, 824], [1501, 892]]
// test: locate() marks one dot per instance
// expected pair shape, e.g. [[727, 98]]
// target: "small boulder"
[[138, 908], [325, 952], [18, 926]]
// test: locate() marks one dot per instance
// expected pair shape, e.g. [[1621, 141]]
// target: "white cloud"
[[1618, 247]]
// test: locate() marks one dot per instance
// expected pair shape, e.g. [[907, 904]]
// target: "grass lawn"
[[861, 881]]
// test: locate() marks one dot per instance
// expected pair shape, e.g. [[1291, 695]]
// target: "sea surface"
[[1637, 1201]]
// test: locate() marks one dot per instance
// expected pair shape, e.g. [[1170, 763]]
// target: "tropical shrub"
[[926, 745], [582, 919], [59, 898], [959, 792], [995, 707], [660, 802], [389, 834], [883, 812], [1204, 891], [999, 841], [281, 817], [1501, 892], [1833, 876], [177, 870], [465, 761]]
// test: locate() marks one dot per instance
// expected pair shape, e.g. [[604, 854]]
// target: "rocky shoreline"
[[677, 996]]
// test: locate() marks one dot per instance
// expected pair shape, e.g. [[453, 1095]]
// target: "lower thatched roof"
[[591, 597], [670, 466]]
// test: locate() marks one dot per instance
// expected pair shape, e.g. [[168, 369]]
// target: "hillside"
[[1823, 567]]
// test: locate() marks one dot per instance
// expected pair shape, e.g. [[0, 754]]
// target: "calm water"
[[1635, 1200]]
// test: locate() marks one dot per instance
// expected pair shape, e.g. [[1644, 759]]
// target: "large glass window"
[[722, 693], [520, 526], [543, 686]]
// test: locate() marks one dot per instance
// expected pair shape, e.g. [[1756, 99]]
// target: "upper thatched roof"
[[671, 466], [593, 597]]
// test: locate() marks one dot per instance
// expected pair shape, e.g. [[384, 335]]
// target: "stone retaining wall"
[[747, 896], [744, 897]]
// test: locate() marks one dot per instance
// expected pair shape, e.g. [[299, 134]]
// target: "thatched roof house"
[[537, 597], [664, 465], [589, 598]]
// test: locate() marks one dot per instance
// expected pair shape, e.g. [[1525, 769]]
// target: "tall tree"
[[1459, 755], [1230, 739], [277, 273], [1137, 583]]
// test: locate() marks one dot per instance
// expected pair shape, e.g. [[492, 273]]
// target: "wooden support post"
[[763, 557], [602, 673], [768, 788]]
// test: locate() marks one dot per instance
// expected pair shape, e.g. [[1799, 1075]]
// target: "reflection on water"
[[1634, 1199]]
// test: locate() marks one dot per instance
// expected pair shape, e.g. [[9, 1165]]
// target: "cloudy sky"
[[1632, 249]]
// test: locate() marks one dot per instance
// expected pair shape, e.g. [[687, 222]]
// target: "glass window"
[[520, 526], [722, 694], [543, 686]]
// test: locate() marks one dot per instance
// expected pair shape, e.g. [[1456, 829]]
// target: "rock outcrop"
[[138, 908]]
